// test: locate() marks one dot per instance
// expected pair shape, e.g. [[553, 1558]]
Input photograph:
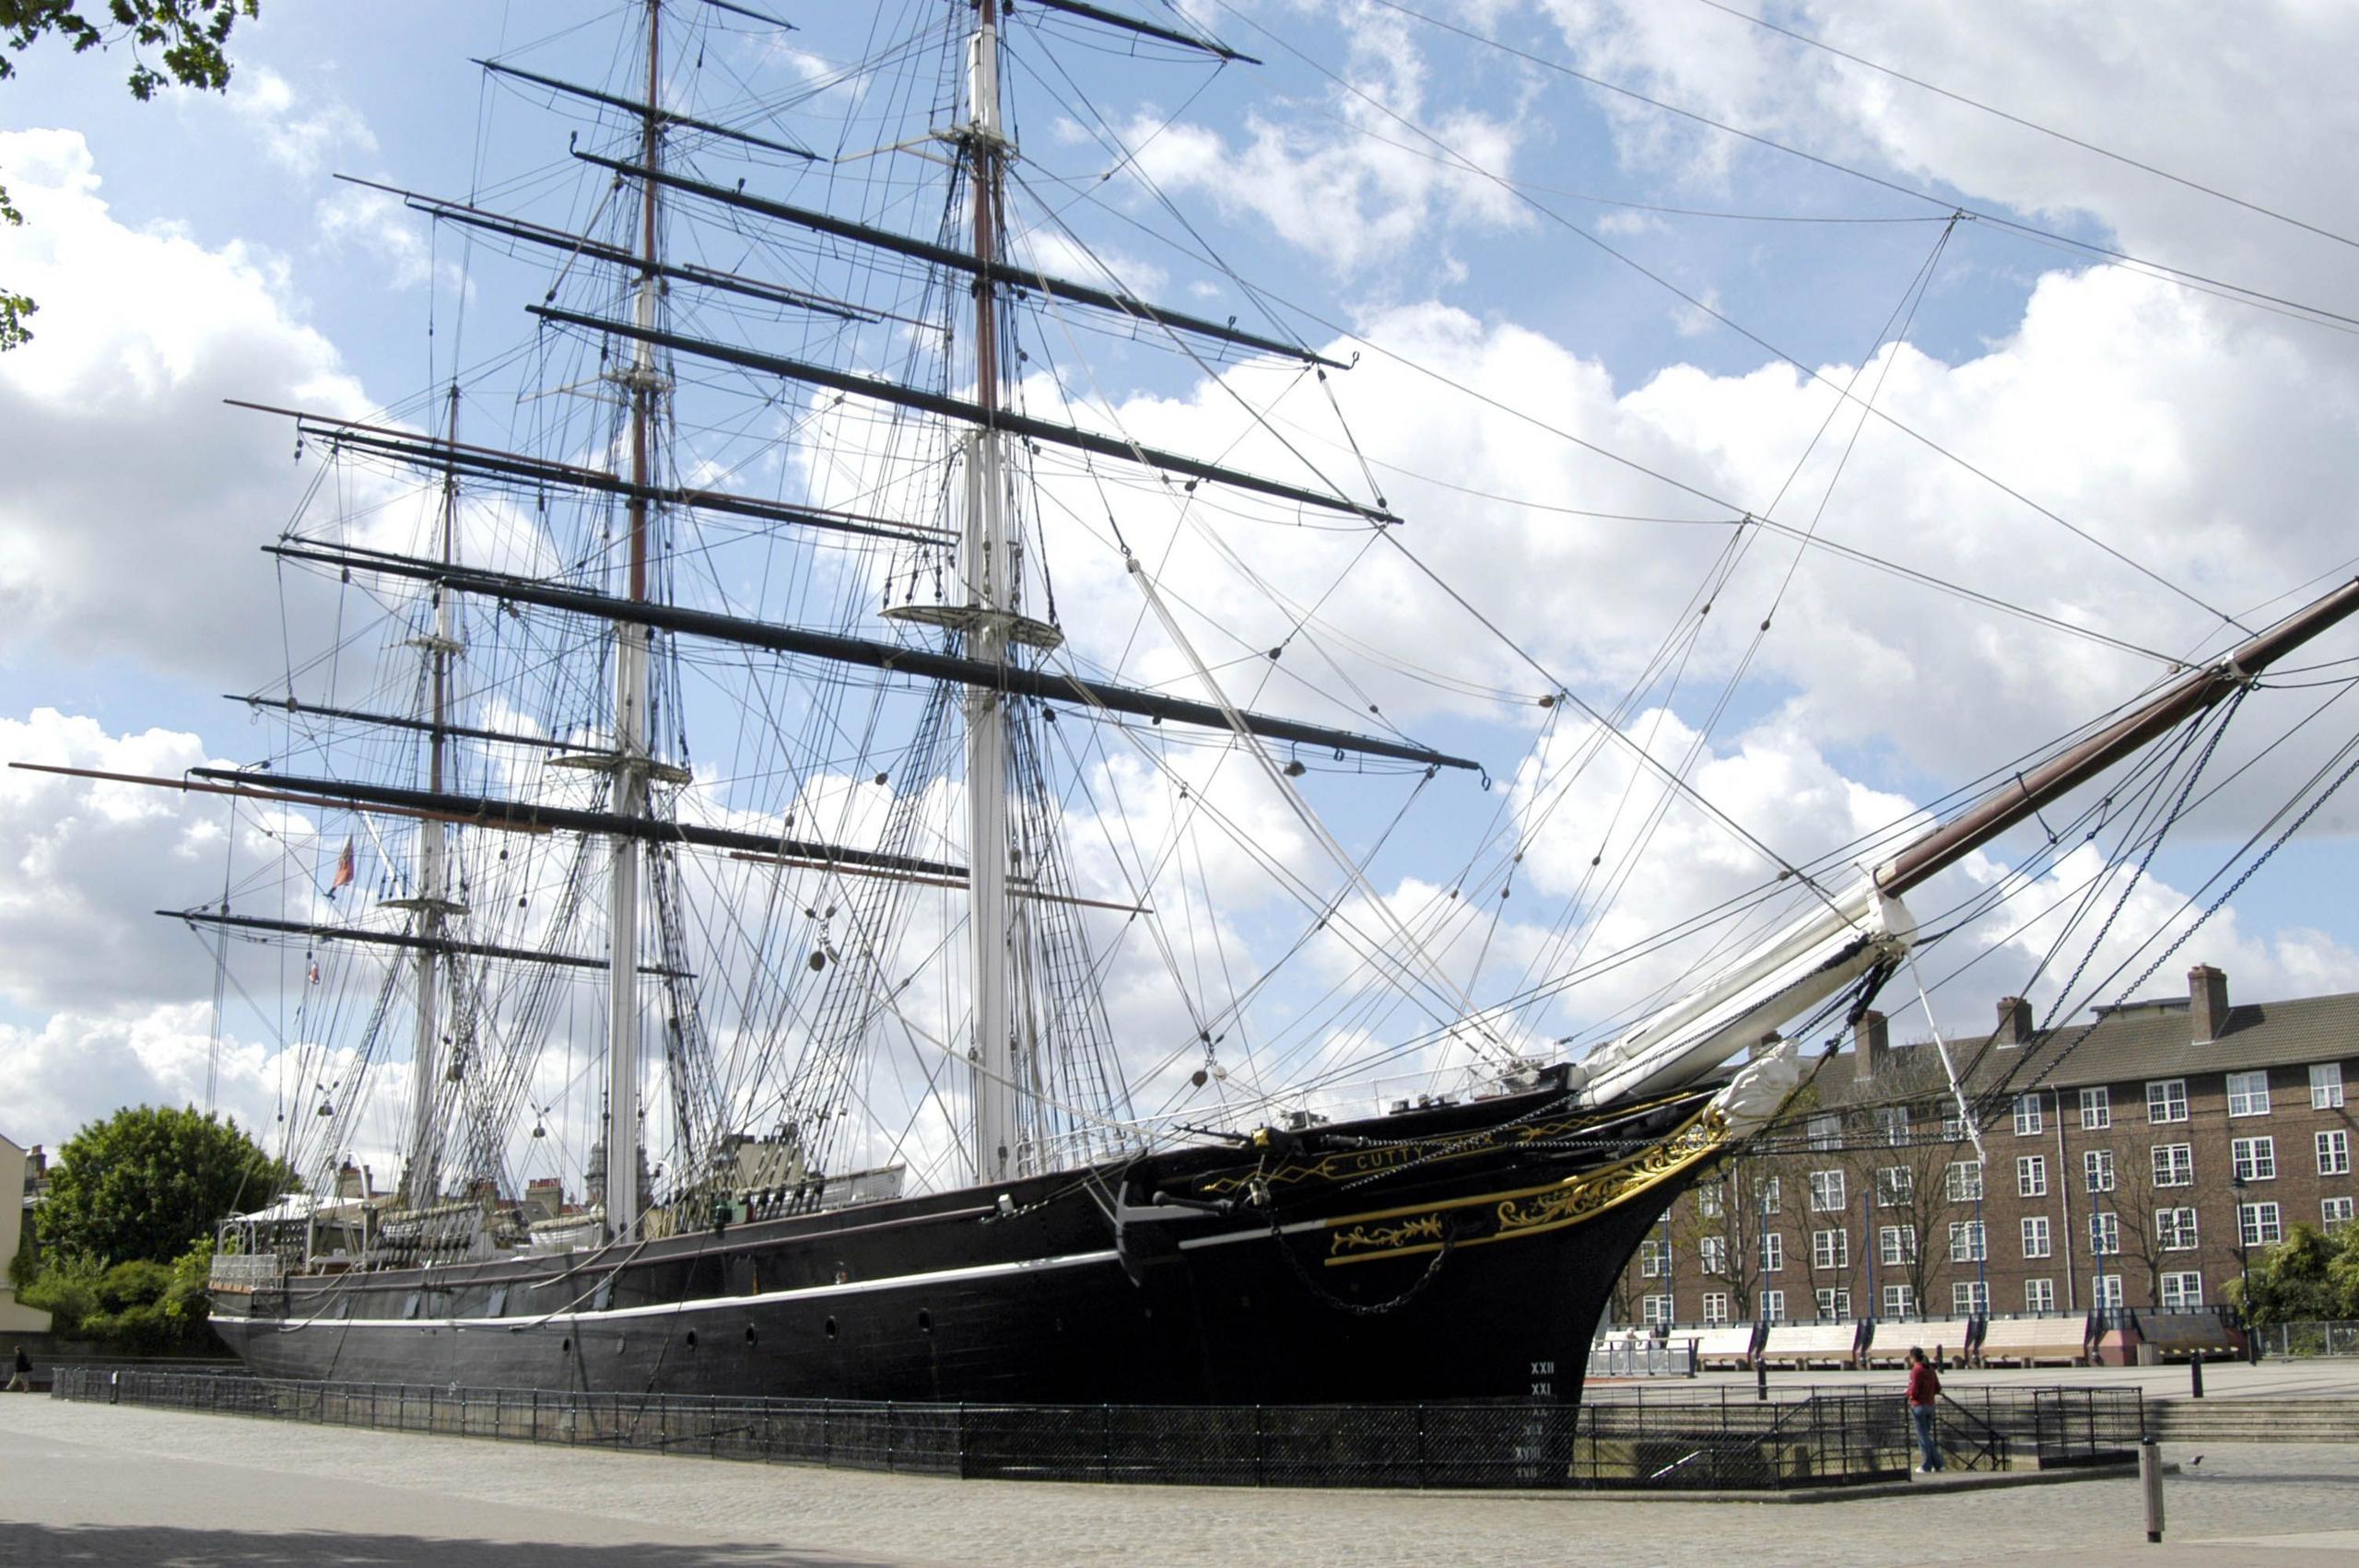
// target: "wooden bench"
[[2181, 1336], [2035, 1341], [1725, 1347], [1804, 1345], [1947, 1335]]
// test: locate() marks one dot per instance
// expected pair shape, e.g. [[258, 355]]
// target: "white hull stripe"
[[702, 1303], [1260, 1233]]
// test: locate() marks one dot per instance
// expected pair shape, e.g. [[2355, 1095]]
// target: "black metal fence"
[[1727, 1437], [1722, 1439]]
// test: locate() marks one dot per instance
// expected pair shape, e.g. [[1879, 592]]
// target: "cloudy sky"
[[1610, 273]]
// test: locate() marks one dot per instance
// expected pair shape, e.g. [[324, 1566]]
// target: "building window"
[[2104, 1234], [1773, 1306], [1970, 1298], [2326, 1086], [2166, 1100], [2257, 1224], [1953, 1124], [1897, 1245], [1655, 1309], [2175, 1229], [2249, 1094], [1825, 1132], [2096, 1108], [1895, 1185], [1826, 1192], [1963, 1183], [1900, 1300], [1967, 1242], [1830, 1249], [2255, 1158], [2182, 1290], [1892, 1124], [1773, 1253], [1707, 1201], [2174, 1164], [1654, 1260], [2039, 1295], [2104, 1290], [2335, 1212], [2031, 1176], [1716, 1306], [1833, 1305], [2036, 1235], [2097, 1165], [2027, 1119], [2334, 1153], [1712, 1254], [1770, 1192]]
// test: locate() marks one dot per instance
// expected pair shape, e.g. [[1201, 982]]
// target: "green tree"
[[188, 35], [2311, 1275], [147, 1182]]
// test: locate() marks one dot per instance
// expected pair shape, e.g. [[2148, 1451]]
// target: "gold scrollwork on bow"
[[1585, 1195], [1368, 1161], [1510, 1216], [1426, 1227]]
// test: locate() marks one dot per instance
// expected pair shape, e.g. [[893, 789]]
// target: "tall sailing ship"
[[819, 1015]]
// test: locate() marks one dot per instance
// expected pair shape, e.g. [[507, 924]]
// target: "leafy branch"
[[189, 35]]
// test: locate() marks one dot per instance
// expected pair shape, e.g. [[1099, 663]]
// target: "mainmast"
[[990, 593], [421, 1178], [631, 757]]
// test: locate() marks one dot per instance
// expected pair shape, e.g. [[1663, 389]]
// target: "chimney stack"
[[1870, 1038], [2014, 1023], [2207, 1002]]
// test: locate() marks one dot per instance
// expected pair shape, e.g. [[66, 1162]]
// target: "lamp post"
[[1981, 1246], [2244, 1271], [1670, 1285]]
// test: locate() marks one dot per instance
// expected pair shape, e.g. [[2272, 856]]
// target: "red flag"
[[343, 869]]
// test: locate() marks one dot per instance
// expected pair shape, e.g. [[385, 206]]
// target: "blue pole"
[[1867, 1238]]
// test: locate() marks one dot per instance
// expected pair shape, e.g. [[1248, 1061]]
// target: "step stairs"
[[2253, 1420]]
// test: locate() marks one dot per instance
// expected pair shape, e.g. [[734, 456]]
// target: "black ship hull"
[[1460, 1253]]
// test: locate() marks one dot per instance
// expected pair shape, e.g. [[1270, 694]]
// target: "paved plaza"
[[94, 1484]]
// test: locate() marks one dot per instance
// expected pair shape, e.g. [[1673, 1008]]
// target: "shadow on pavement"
[[160, 1546]]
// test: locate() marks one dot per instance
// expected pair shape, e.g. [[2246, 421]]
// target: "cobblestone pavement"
[[94, 1484]]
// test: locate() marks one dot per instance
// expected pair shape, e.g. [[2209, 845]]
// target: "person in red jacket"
[[1924, 1388]]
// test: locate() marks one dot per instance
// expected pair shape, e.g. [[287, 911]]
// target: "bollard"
[[1761, 1378], [2150, 1478], [2195, 1374]]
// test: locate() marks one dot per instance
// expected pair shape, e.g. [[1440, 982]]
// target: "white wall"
[[14, 1318]]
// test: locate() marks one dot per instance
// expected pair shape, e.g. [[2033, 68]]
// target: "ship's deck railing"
[[1642, 1355], [240, 1272], [1690, 1437]]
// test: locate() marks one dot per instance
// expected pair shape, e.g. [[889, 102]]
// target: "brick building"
[[2133, 1157]]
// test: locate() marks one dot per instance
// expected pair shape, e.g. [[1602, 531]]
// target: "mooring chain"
[[1365, 1309]]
